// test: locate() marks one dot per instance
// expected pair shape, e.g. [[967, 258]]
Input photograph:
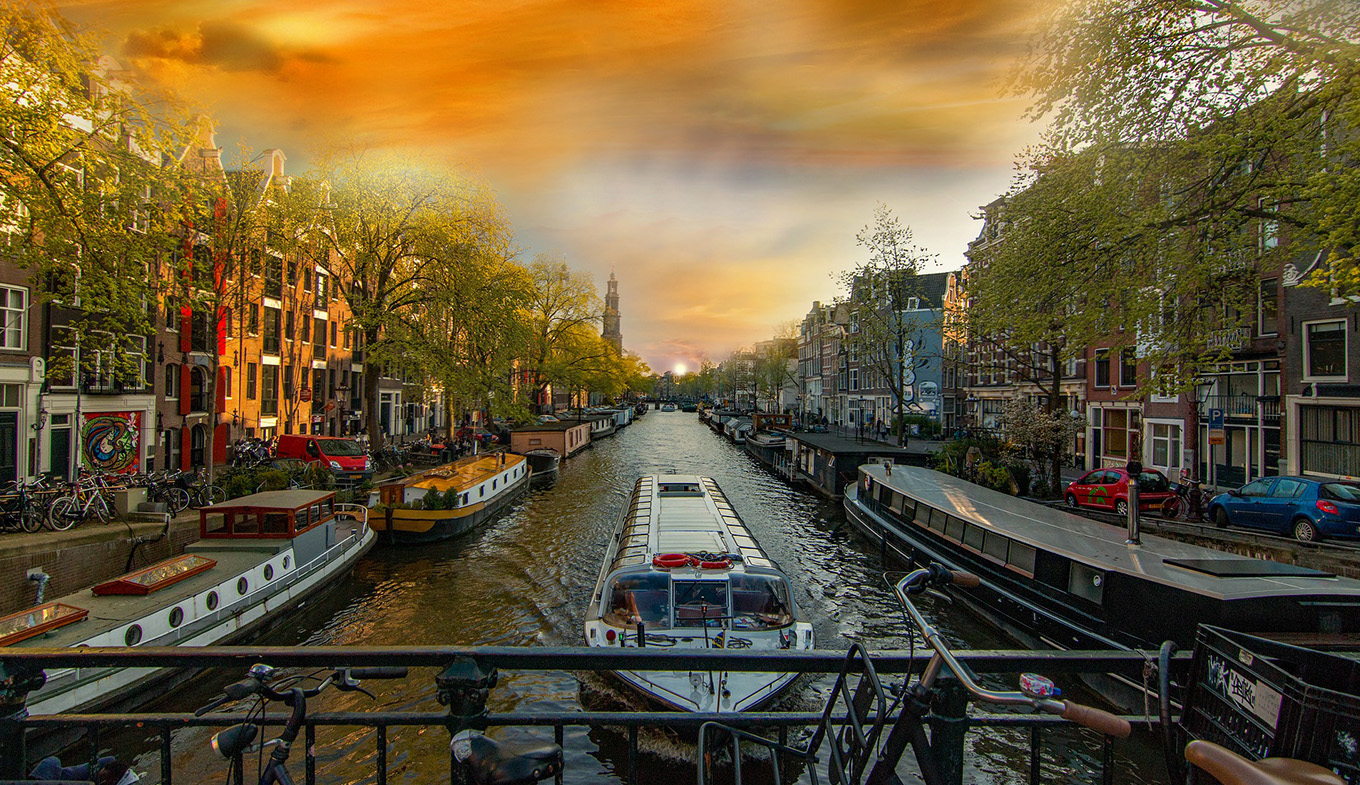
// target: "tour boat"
[[448, 500], [257, 557], [1054, 579], [683, 572], [667, 407]]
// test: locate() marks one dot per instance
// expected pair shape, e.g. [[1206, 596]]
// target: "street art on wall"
[[111, 441]]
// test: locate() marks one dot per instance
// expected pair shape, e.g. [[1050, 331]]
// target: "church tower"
[[611, 331]]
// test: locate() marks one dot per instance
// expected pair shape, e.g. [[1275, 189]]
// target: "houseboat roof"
[[1194, 568], [830, 443], [462, 473], [549, 427], [288, 500], [683, 513]]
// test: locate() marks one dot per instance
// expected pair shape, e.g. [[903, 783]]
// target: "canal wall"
[[82, 557]]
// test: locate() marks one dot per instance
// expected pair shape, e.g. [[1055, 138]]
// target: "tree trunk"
[[372, 372], [1054, 401]]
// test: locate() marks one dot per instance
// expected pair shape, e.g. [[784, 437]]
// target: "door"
[[59, 457], [1102, 488], [9, 446], [1277, 509], [1246, 509]]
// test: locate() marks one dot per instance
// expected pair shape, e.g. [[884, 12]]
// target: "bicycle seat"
[[1230, 768], [492, 762]]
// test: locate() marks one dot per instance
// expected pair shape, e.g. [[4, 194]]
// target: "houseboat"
[[257, 558], [827, 463], [566, 437], [1058, 580], [448, 500], [543, 463], [601, 425], [683, 572], [768, 443]]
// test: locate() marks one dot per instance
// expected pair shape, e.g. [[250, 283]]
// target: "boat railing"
[[356, 511], [464, 703]]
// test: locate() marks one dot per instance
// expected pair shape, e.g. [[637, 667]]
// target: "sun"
[[679, 368]]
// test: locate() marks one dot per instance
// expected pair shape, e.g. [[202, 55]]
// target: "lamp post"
[[1204, 387]]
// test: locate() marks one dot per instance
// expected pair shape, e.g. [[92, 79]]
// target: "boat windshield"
[[700, 603], [760, 602], [643, 597]]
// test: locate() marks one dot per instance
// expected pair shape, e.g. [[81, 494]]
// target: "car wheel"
[[1221, 518], [1121, 507], [1305, 530], [1072, 500]]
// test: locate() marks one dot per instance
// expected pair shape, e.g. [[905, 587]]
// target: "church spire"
[[610, 331]]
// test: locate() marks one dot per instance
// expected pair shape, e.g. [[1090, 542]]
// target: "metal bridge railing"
[[459, 689]]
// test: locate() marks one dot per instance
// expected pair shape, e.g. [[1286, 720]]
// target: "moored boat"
[[543, 463], [1053, 579], [257, 558], [683, 571], [449, 500]]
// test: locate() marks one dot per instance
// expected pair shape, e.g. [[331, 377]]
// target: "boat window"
[[214, 522], [1086, 582], [972, 536], [938, 519], [996, 546], [276, 523], [923, 515], [641, 597], [760, 602], [885, 495], [700, 603], [1021, 557], [953, 529]]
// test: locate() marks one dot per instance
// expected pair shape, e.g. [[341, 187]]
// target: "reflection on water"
[[524, 580]]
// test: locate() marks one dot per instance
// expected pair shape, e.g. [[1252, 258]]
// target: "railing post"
[[463, 686], [16, 681], [948, 726]]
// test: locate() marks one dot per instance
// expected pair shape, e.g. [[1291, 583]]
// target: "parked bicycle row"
[[43, 502]]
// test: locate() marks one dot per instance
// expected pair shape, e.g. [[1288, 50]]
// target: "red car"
[[1108, 489]]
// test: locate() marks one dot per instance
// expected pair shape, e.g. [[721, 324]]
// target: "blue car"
[[1306, 508]]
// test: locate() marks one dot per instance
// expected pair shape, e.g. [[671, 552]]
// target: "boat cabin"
[[769, 421], [267, 515], [689, 597]]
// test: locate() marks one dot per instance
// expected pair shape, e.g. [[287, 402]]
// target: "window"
[[172, 371], [1324, 351], [14, 309], [1259, 487], [269, 390], [1288, 489], [333, 332], [346, 343], [322, 290], [1166, 446], [1270, 229], [1268, 307], [272, 317], [14, 221], [172, 314], [226, 381], [306, 330], [1102, 367], [321, 335], [1128, 369], [170, 438], [1117, 424], [252, 371], [288, 383], [288, 325], [253, 326], [228, 325], [318, 384]]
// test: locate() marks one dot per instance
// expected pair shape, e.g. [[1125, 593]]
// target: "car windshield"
[[1154, 482], [760, 602], [1341, 492], [347, 447], [640, 597]]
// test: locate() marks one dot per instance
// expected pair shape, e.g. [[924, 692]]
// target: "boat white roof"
[[683, 513], [1101, 545]]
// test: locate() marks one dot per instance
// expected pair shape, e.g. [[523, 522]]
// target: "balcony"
[[1228, 338], [96, 384], [1246, 407]]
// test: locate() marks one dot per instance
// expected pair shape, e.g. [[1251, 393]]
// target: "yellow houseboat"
[[449, 500]]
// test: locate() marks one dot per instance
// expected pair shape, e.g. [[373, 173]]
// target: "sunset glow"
[[720, 157]]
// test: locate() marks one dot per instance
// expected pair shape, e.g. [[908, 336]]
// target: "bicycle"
[[1190, 502], [857, 745], [84, 499], [234, 741], [19, 507]]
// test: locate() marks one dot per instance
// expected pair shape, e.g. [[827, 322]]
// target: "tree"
[[1249, 105], [562, 312], [882, 336], [774, 367], [82, 193], [389, 222]]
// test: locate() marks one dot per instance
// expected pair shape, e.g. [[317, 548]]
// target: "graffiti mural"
[[112, 441]]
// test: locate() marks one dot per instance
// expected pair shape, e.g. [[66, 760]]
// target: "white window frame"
[[1307, 351], [10, 314], [1177, 455]]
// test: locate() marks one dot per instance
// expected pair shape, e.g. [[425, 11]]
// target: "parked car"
[[1306, 508], [1108, 489], [343, 456]]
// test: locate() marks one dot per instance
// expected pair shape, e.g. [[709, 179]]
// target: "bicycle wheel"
[[1171, 508], [64, 513], [31, 519], [102, 509], [212, 494], [177, 499]]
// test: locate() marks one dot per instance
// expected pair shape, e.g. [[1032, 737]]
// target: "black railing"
[[466, 708]]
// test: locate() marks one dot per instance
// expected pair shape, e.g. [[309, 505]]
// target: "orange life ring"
[[670, 561], [720, 564]]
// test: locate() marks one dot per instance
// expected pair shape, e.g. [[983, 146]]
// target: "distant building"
[[611, 332]]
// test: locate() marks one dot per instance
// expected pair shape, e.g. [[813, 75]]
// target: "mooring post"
[[948, 727], [463, 686]]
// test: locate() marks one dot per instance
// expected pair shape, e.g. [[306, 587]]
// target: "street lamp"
[[1204, 387]]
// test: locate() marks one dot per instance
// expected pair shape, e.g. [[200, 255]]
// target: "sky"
[[718, 156]]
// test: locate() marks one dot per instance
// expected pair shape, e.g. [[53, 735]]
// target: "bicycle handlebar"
[[937, 575]]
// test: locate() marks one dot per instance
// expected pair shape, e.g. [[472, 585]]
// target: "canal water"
[[524, 580]]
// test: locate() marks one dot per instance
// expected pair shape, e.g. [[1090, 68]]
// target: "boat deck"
[[463, 473], [1103, 545]]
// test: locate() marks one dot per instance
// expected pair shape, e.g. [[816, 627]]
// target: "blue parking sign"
[[1215, 418]]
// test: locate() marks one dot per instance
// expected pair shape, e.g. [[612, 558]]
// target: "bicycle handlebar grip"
[[965, 579], [1097, 719], [379, 672], [201, 710]]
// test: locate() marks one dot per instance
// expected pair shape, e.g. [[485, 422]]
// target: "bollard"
[[463, 686]]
